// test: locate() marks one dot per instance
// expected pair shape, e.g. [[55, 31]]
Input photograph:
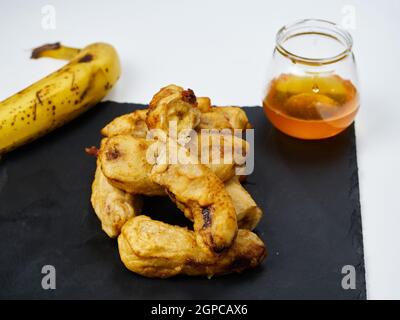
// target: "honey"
[[311, 107]]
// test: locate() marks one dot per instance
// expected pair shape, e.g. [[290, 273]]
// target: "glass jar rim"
[[317, 26]]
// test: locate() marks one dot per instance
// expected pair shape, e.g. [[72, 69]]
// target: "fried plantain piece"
[[204, 104], [124, 163], [222, 153], [132, 123], [173, 104], [158, 250], [169, 105], [122, 155], [224, 118], [112, 206], [200, 194], [247, 212]]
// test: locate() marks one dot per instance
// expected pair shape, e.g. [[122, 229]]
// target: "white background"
[[221, 49]]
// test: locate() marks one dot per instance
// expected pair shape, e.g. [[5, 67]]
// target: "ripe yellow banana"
[[61, 96]]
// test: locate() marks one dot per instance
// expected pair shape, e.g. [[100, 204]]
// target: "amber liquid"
[[311, 107]]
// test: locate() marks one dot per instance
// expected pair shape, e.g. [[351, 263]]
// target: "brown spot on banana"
[[86, 58], [38, 96], [88, 87], [73, 81], [34, 110]]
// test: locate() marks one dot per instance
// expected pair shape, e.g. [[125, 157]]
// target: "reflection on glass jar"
[[312, 91]]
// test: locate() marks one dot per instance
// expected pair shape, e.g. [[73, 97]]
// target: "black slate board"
[[308, 191]]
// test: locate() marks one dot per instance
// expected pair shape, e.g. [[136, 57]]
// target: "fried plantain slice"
[[173, 104], [222, 153], [123, 161], [224, 118], [247, 212], [158, 250], [132, 123], [112, 206], [204, 104], [199, 193]]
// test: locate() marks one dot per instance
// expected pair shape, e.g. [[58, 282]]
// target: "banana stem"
[[55, 51]]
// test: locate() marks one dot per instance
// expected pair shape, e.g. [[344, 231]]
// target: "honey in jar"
[[312, 85], [311, 107]]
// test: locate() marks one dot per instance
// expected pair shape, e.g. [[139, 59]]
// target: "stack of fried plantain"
[[133, 162]]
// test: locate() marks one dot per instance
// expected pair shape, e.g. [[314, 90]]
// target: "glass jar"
[[312, 90]]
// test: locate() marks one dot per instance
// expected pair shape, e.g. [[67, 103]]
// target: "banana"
[[61, 96]]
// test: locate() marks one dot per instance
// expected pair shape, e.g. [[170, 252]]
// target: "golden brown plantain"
[[123, 161], [173, 104], [247, 212], [224, 118], [157, 250], [132, 123], [112, 206], [204, 104], [201, 195], [222, 153]]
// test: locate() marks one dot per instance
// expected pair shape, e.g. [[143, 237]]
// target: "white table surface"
[[221, 49]]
